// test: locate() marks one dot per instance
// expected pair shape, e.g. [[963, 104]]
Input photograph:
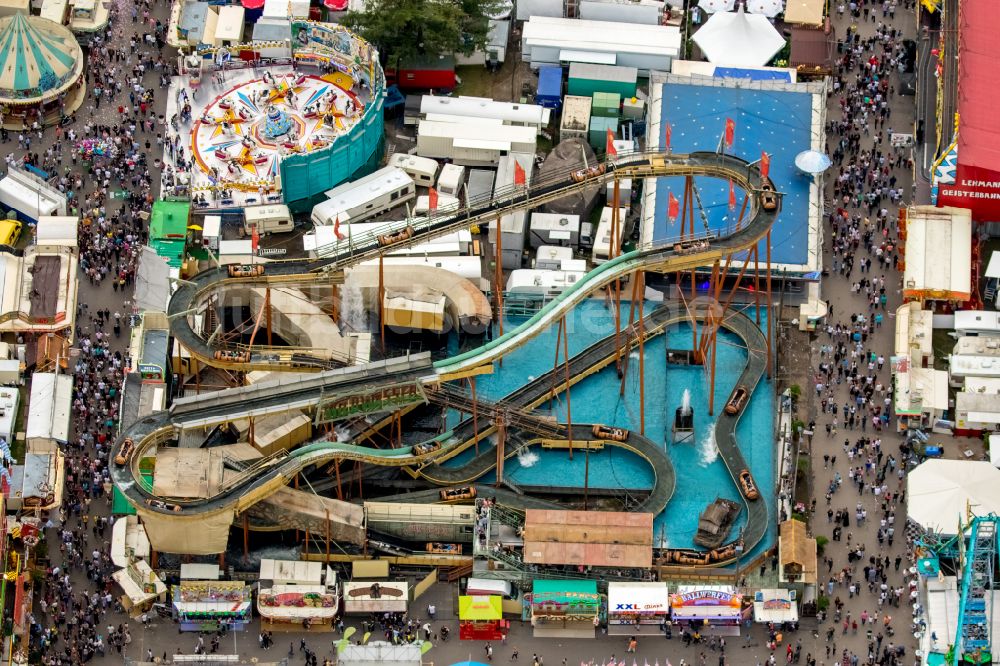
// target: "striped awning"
[[38, 58]]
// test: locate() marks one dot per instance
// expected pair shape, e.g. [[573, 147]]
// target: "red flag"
[[667, 133], [254, 239], [732, 195], [520, 178], [432, 199], [673, 207], [730, 132], [765, 164], [336, 229], [610, 148]]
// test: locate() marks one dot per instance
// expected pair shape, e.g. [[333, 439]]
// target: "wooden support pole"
[[498, 284], [250, 431], [306, 549], [335, 303], [756, 283], [267, 313], [770, 313], [631, 320], [641, 277], [359, 467], [614, 250], [501, 448], [569, 404], [327, 534], [336, 471], [381, 298], [246, 535], [555, 362], [475, 414]]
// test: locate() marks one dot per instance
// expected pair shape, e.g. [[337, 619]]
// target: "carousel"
[[41, 71], [243, 134]]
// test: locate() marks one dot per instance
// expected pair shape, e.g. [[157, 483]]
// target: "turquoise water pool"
[[701, 476]]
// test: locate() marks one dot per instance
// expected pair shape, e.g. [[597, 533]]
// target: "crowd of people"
[[861, 578]]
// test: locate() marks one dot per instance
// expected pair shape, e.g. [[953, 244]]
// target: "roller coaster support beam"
[[569, 402], [641, 280], [770, 361], [756, 284], [628, 327], [475, 412], [381, 299], [614, 250], [498, 279], [267, 313], [246, 535], [501, 440]]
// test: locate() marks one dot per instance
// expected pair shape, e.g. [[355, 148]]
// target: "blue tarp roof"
[[752, 74]]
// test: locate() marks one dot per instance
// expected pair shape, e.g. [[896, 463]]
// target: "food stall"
[[309, 605], [775, 605], [480, 618], [565, 608], [301, 593], [697, 606], [210, 605], [637, 604], [366, 597]]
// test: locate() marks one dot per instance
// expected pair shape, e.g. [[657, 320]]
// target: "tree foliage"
[[411, 29]]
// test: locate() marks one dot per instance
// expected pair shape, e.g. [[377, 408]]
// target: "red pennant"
[[765, 164], [520, 177], [730, 132], [732, 195], [336, 229], [432, 199], [673, 207], [610, 147], [667, 133]]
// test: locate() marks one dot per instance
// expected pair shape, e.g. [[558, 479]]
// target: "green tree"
[[407, 29]]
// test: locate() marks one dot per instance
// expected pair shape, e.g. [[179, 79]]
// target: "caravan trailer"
[[602, 239], [423, 170], [372, 195]]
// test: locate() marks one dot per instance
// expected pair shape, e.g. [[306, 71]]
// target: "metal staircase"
[[975, 617]]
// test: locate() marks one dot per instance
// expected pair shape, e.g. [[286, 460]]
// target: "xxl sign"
[[381, 400]]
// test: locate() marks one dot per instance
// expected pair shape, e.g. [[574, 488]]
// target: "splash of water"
[[686, 402], [353, 315], [526, 457], [708, 453]]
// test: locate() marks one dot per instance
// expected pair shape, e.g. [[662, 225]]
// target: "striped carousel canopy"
[[38, 58]]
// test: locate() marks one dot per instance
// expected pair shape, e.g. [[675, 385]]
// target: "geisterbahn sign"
[[382, 399]]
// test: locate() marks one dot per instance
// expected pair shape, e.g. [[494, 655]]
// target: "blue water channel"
[[701, 475]]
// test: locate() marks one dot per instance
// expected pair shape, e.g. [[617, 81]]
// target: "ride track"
[[268, 475]]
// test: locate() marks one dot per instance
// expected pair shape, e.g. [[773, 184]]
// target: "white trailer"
[[647, 12], [463, 108], [553, 258], [557, 41], [376, 193], [528, 281], [602, 239], [554, 229], [473, 144], [422, 170], [497, 37], [450, 182]]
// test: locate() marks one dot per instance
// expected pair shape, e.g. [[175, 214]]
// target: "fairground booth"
[[210, 605], [480, 618], [365, 597], [775, 605], [565, 608], [300, 593], [633, 607], [707, 606]]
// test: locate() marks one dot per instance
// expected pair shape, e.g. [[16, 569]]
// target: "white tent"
[[940, 491], [739, 39]]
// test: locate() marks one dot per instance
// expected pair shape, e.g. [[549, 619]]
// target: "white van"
[[271, 219], [423, 170]]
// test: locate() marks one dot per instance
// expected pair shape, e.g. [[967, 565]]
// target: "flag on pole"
[[673, 207], [336, 229], [610, 147], [432, 199], [730, 132], [765, 164], [732, 195], [520, 177], [667, 133], [254, 239]]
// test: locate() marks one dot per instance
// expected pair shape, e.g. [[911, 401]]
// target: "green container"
[[599, 127], [606, 105], [586, 79]]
